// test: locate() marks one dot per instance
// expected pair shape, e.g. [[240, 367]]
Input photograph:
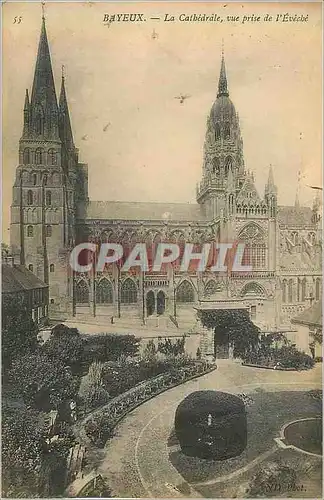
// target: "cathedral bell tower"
[[223, 163], [44, 191]]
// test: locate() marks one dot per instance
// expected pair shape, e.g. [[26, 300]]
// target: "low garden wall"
[[96, 428]]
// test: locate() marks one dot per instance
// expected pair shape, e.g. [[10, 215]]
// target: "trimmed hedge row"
[[98, 427]]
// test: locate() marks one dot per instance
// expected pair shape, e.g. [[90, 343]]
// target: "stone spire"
[[65, 128], [222, 83], [271, 188], [43, 103], [26, 114]]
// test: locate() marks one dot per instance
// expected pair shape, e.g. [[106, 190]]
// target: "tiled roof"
[[311, 316], [295, 216], [120, 210], [17, 278]]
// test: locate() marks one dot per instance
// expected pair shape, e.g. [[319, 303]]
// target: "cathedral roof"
[[295, 216], [121, 210]]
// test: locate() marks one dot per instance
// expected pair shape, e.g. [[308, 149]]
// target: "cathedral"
[[51, 213]]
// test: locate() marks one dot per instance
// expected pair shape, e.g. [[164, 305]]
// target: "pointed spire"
[[222, 83], [43, 92], [270, 186], [66, 134], [26, 107]]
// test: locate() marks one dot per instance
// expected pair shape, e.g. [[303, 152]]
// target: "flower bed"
[[98, 427], [270, 367], [286, 357]]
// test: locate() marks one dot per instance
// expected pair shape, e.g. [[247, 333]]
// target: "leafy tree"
[[43, 383], [233, 326], [66, 345], [23, 446], [110, 347], [19, 332]]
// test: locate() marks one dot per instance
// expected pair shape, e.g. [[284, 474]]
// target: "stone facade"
[[51, 212]]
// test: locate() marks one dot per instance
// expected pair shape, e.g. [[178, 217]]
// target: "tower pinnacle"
[[222, 83]]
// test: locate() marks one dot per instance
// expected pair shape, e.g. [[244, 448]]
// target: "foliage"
[[66, 345], [96, 488], [149, 352], [285, 356], [198, 353], [23, 445], [19, 332], [43, 383], [99, 429], [110, 347], [170, 348], [273, 479], [92, 392], [317, 336], [234, 326]]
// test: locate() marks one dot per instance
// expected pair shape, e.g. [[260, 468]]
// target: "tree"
[[233, 326], [43, 383], [19, 332], [66, 345], [23, 446], [170, 348], [109, 347]]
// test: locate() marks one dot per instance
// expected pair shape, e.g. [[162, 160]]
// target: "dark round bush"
[[211, 424]]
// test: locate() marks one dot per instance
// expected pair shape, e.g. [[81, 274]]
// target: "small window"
[[30, 231], [30, 197], [39, 124], [48, 198], [26, 156], [52, 301], [45, 178], [52, 157], [48, 231], [38, 156], [253, 312], [31, 267], [52, 268], [34, 179]]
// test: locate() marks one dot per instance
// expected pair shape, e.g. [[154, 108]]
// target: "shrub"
[[99, 429]]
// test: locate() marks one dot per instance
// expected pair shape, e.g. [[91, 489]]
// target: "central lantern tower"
[[223, 164]]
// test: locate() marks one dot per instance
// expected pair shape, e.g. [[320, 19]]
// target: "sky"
[[122, 76]]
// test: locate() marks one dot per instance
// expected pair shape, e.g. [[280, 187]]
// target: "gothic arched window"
[[48, 231], [30, 231], [185, 292], [48, 198], [52, 268], [104, 292], [255, 247], [217, 132], [290, 291], [128, 292], [52, 157], [228, 163], [284, 291], [312, 238], [31, 267], [45, 179], [26, 156], [227, 130], [294, 237], [82, 292], [39, 156], [216, 166], [34, 179], [30, 197]]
